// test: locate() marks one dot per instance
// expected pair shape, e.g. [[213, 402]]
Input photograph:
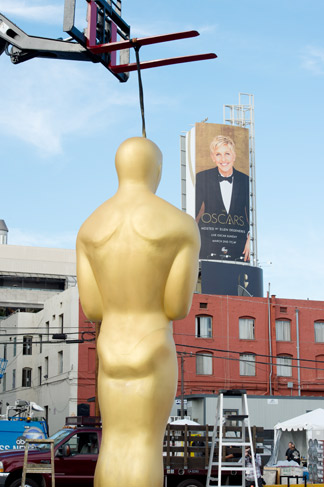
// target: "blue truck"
[[19, 423]]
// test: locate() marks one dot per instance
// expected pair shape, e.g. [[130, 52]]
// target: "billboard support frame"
[[242, 115]]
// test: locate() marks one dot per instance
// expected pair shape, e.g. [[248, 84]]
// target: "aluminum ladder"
[[222, 420], [47, 468]]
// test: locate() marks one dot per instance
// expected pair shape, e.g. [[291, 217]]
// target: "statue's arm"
[[183, 275], [88, 289]]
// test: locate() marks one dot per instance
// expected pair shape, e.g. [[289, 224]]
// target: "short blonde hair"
[[222, 140]]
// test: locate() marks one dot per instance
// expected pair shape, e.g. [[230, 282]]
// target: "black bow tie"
[[222, 178]]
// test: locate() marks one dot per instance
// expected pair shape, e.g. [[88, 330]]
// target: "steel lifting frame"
[[84, 46]]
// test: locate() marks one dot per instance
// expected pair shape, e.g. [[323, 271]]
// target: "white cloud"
[[47, 101], [206, 29], [33, 11], [59, 240], [50, 100], [313, 59]]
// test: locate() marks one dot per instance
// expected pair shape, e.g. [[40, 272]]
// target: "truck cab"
[[76, 450]]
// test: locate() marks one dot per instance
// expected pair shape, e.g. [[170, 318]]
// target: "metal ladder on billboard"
[[222, 420], [38, 467]]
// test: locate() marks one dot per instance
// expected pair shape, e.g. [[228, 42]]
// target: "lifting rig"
[[106, 33]]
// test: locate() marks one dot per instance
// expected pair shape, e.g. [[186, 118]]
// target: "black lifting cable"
[[140, 87]]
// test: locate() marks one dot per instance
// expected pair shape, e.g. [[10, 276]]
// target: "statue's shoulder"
[[159, 220], [98, 227]]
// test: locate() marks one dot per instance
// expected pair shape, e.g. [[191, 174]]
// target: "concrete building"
[[48, 361], [31, 275], [39, 298]]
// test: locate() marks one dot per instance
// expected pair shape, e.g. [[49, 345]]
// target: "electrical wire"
[[249, 361], [256, 354]]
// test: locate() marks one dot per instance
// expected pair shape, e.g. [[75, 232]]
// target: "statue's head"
[[139, 160]]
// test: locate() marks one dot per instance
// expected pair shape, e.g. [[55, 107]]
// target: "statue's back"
[[137, 259]]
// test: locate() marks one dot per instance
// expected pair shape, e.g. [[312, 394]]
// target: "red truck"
[[186, 456]]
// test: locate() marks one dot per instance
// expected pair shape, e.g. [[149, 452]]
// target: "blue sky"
[[62, 122]]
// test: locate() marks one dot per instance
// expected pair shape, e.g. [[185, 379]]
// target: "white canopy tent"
[[305, 431]]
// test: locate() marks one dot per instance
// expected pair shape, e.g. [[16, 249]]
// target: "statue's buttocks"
[[136, 357]]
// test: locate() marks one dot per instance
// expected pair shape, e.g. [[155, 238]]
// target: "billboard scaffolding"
[[242, 115]]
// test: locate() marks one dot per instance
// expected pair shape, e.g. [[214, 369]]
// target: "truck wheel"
[[190, 483], [29, 483]]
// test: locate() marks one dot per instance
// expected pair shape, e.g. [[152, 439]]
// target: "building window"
[[283, 331], [319, 331], [231, 412], [40, 376], [61, 323], [46, 368], [60, 362], [4, 382], [40, 343], [15, 347], [284, 366], [204, 363], [246, 328], [14, 379], [203, 305], [204, 327], [5, 352], [320, 366], [26, 377], [247, 364], [27, 345], [46, 408], [47, 325]]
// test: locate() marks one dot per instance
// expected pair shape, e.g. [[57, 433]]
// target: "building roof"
[[3, 226]]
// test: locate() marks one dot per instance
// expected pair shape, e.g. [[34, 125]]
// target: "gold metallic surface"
[[137, 264]]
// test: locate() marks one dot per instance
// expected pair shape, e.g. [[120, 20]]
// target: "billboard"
[[218, 158], [231, 279]]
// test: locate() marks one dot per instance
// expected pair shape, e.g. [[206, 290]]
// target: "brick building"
[[229, 342]]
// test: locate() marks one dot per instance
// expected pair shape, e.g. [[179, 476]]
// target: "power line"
[[248, 361], [254, 353]]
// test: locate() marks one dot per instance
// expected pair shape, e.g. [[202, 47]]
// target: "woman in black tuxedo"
[[222, 206]]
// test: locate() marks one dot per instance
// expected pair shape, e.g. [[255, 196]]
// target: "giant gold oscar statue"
[[137, 263]]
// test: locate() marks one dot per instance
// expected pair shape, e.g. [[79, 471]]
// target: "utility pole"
[[182, 387]]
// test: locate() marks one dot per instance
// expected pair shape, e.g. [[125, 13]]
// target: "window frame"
[[247, 363], [27, 345], [61, 322], [26, 376], [250, 318], [60, 362], [201, 357], [279, 365], [319, 332], [283, 332], [199, 326]]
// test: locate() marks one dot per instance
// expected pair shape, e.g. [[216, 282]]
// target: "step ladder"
[[38, 467], [222, 420]]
